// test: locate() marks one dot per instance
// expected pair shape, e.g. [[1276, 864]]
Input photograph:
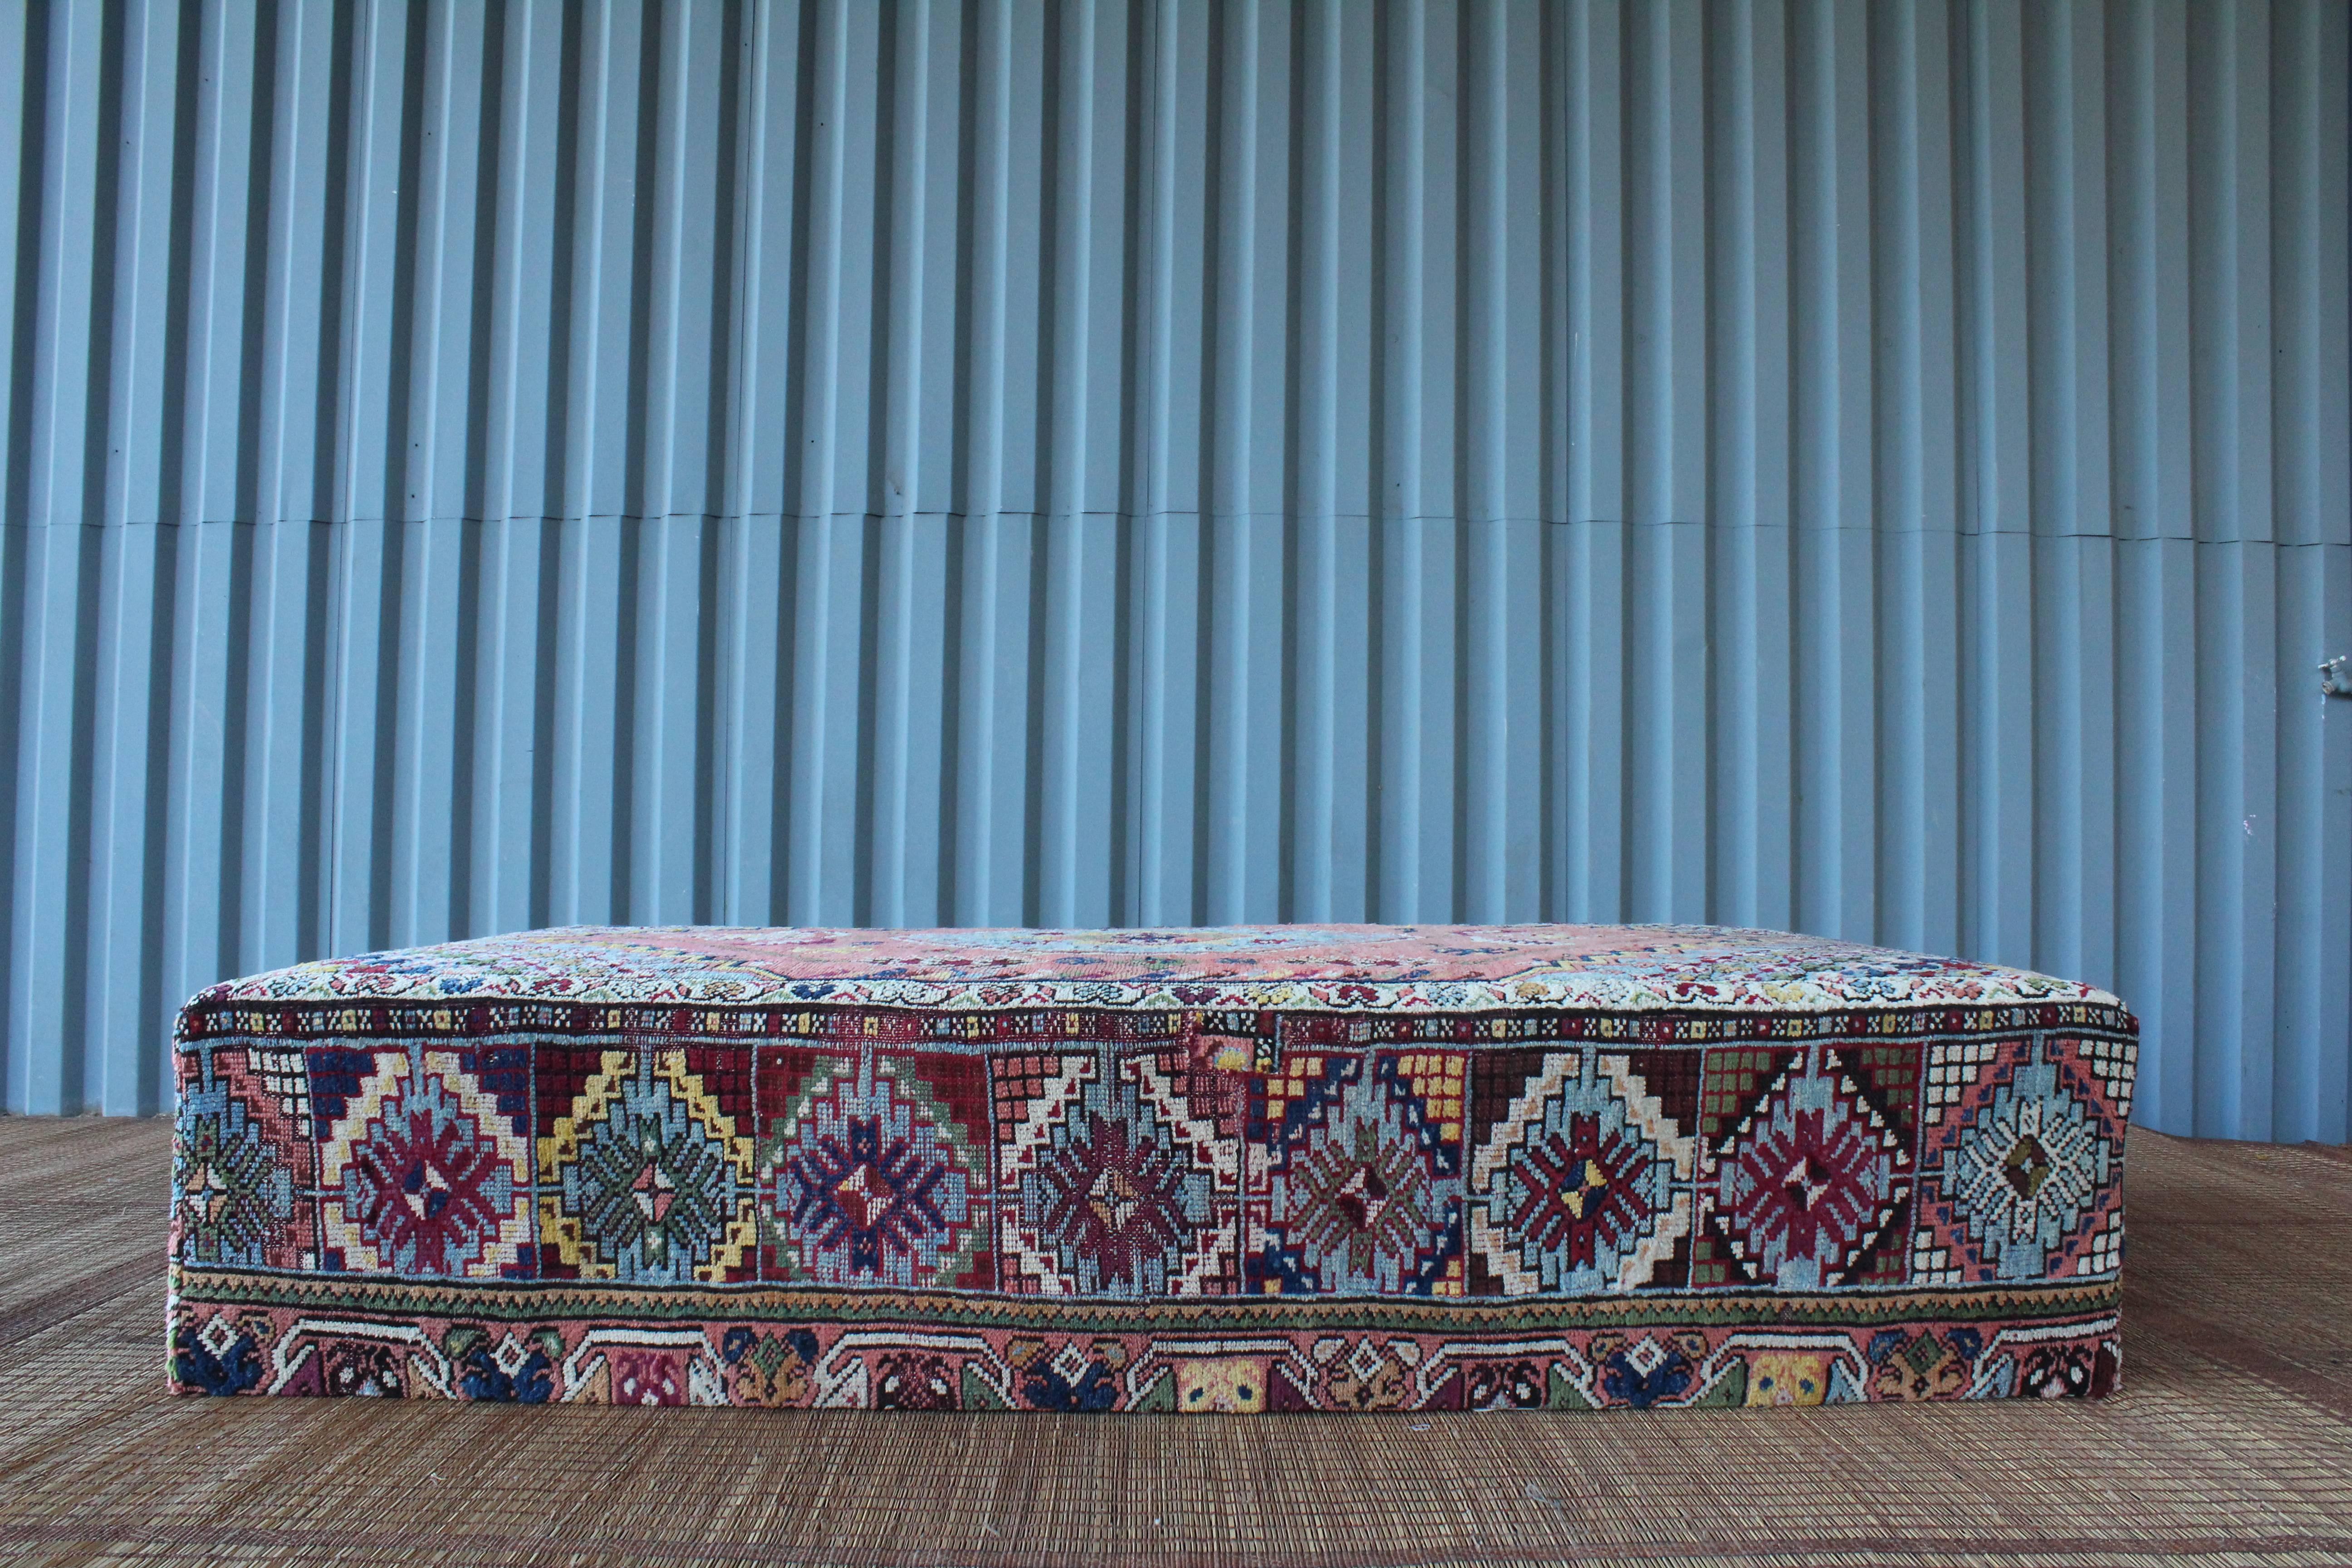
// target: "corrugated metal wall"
[[1875, 469]]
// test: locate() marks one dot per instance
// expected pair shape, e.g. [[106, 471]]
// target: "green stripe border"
[[521, 1301]]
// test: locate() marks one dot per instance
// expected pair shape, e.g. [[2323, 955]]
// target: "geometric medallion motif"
[[645, 1178], [231, 1190], [1803, 1190], [1584, 1185], [866, 1178], [2024, 1162], [1114, 1185], [422, 1173], [241, 1161], [1357, 1174]]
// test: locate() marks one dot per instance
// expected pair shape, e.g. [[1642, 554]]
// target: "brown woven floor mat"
[[2231, 1442]]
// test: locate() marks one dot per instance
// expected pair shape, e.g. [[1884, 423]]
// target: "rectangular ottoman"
[[1341, 1168]]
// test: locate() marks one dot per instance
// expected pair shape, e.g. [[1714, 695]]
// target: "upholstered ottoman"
[[1256, 1168]]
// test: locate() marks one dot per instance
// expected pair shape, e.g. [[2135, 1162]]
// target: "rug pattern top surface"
[[1324, 968]]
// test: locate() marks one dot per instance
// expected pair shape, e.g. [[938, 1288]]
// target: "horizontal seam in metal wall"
[[775, 518]]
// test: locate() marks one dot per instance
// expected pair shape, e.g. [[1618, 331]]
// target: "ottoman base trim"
[[226, 1347]]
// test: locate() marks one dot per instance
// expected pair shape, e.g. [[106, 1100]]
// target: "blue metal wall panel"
[[1878, 469]]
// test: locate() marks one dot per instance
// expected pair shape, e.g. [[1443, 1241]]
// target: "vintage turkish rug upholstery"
[[1253, 1168]]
